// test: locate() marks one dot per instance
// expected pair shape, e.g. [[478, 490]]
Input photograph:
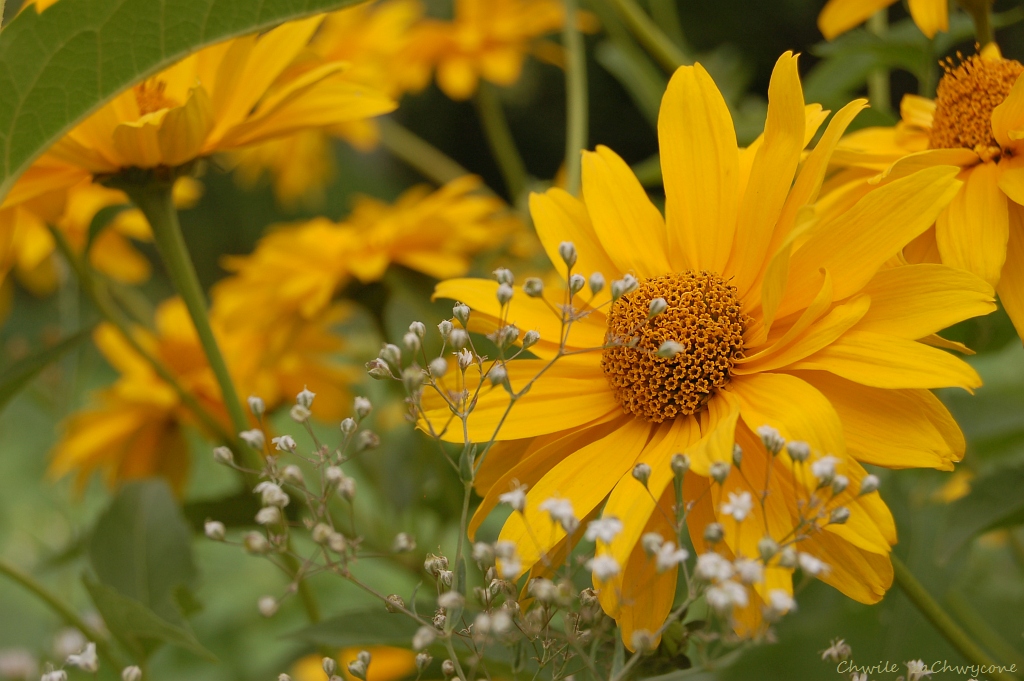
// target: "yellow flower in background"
[[388, 664], [223, 97], [782, 318], [976, 123], [377, 43], [296, 270], [135, 429], [490, 39], [839, 16]]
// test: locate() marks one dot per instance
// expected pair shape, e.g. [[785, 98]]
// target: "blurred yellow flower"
[[976, 123], [224, 97], [387, 664], [839, 16], [296, 270], [136, 427], [782, 320], [490, 39]]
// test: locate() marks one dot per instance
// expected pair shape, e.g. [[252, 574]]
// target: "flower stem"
[[941, 620], [499, 137], [981, 13], [973, 622], [152, 195], [423, 156], [66, 613], [878, 80], [576, 97], [650, 35]]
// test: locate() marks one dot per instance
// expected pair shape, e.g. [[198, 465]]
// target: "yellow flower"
[[975, 123], [295, 271], [387, 664], [490, 39], [223, 97], [839, 16], [785, 320], [136, 427]]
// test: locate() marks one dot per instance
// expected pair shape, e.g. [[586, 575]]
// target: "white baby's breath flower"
[[86, 660], [712, 567], [605, 529], [780, 602], [516, 498], [811, 565], [725, 595], [917, 670], [739, 505], [604, 567], [824, 469], [668, 556], [749, 571]]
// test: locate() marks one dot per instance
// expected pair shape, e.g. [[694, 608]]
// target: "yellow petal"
[[1009, 115], [1011, 286], [700, 166], [914, 301], [771, 174], [1011, 178], [885, 361], [457, 78], [931, 16], [911, 163], [917, 111], [718, 433], [585, 477], [972, 232], [184, 129], [892, 428], [853, 246], [839, 16], [559, 216], [856, 573], [630, 228]]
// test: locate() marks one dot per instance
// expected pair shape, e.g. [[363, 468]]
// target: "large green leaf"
[[139, 628], [995, 500], [14, 378], [142, 547], [58, 66]]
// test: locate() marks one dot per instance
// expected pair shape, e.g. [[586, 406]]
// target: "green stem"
[[942, 622], [421, 155], [499, 137], [981, 13], [576, 98], [152, 195], [648, 171], [972, 621], [650, 35], [306, 594], [878, 80], [666, 14], [66, 613]]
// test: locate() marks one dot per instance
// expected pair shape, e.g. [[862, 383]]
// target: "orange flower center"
[[966, 97], [702, 316], [150, 97]]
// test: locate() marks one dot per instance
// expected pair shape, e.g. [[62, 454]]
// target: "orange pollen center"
[[966, 97], [703, 316], [150, 97]]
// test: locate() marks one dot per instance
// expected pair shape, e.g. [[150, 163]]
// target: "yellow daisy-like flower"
[[136, 427], [490, 39], [977, 123], [223, 97], [839, 16], [295, 271], [780, 318]]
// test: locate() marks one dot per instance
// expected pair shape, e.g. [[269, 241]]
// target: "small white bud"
[[448, 669], [507, 335], [739, 505], [445, 328], [567, 250], [268, 515], [254, 438], [668, 557], [737, 455], [714, 533], [604, 567], [651, 543], [461, 312], [214, 530], [271, 494], [712, 567], [533, 287], [347, 489], [504, 276], [530, 338], [839, 484], [669, 349], [624, 286], [497, 375], [292, 474], [423, 638], [321, 533], [348, 425], [504, 293], [458, 338], [299, 413], [284, 443], [255, 543], [642, 473], [437, 367], [131, 673], [357, 668], [223, 455], [483, 553], [450, 600], [798, 450], [811, 565], [642, 640], [256, 406], [780, 602], [719, 471], [412, 378], [403, 543], [680, 464], [267, 606], [362, 407], [411, 342], [767, 548], [603, 529], [840, 515], [824, 469], [55, 675], [86, 660], [576, 283], [392, 354], [656, 307], [788, 558], [378, 369], [464, 358], [329, 666], [749, 571], [423, 660], [869, 484], [337, 543], [284, 677], [771, 438], [418, 328], [305, 397], [516, 498]]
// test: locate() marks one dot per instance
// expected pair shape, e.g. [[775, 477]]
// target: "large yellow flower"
[[223, 97], [839, 16], [976, 123], [296, 271], [782, 319]]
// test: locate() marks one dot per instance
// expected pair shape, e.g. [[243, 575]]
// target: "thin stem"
[[666, 14], [576, 98], [152, 196], [66, 613], [878, 80], [306, 594], [981, 13], [421, 155], [942, 622], [499, 137], [972, 621], [650, 35]]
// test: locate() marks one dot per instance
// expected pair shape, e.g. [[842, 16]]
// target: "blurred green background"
[[42, 522]]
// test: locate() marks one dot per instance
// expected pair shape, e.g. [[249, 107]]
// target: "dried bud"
[[435, 564], [357, 668], [507, 335], [439, 620], [464, 358], [305, 397], [378, 369], [214, 530], [448, 669], [392, 354], [321, 533], [588, 597], [530, 339], [394, 603], [461, 313], [423, 661], [329, 666], [680, 464], [567, 250], [445, 329], [223, 455], [533, 287], [256, 406]]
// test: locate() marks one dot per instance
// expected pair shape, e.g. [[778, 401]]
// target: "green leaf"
[[16, 377], [104, 216], [994, 501], [142, 548], [361, 627], [139, 628], [61, 65]]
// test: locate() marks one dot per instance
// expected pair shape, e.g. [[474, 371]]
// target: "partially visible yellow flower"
[[224, 97], [977, 123], [490, 39], [775, 321], [296, 270], [387, 664], [839, 16]]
